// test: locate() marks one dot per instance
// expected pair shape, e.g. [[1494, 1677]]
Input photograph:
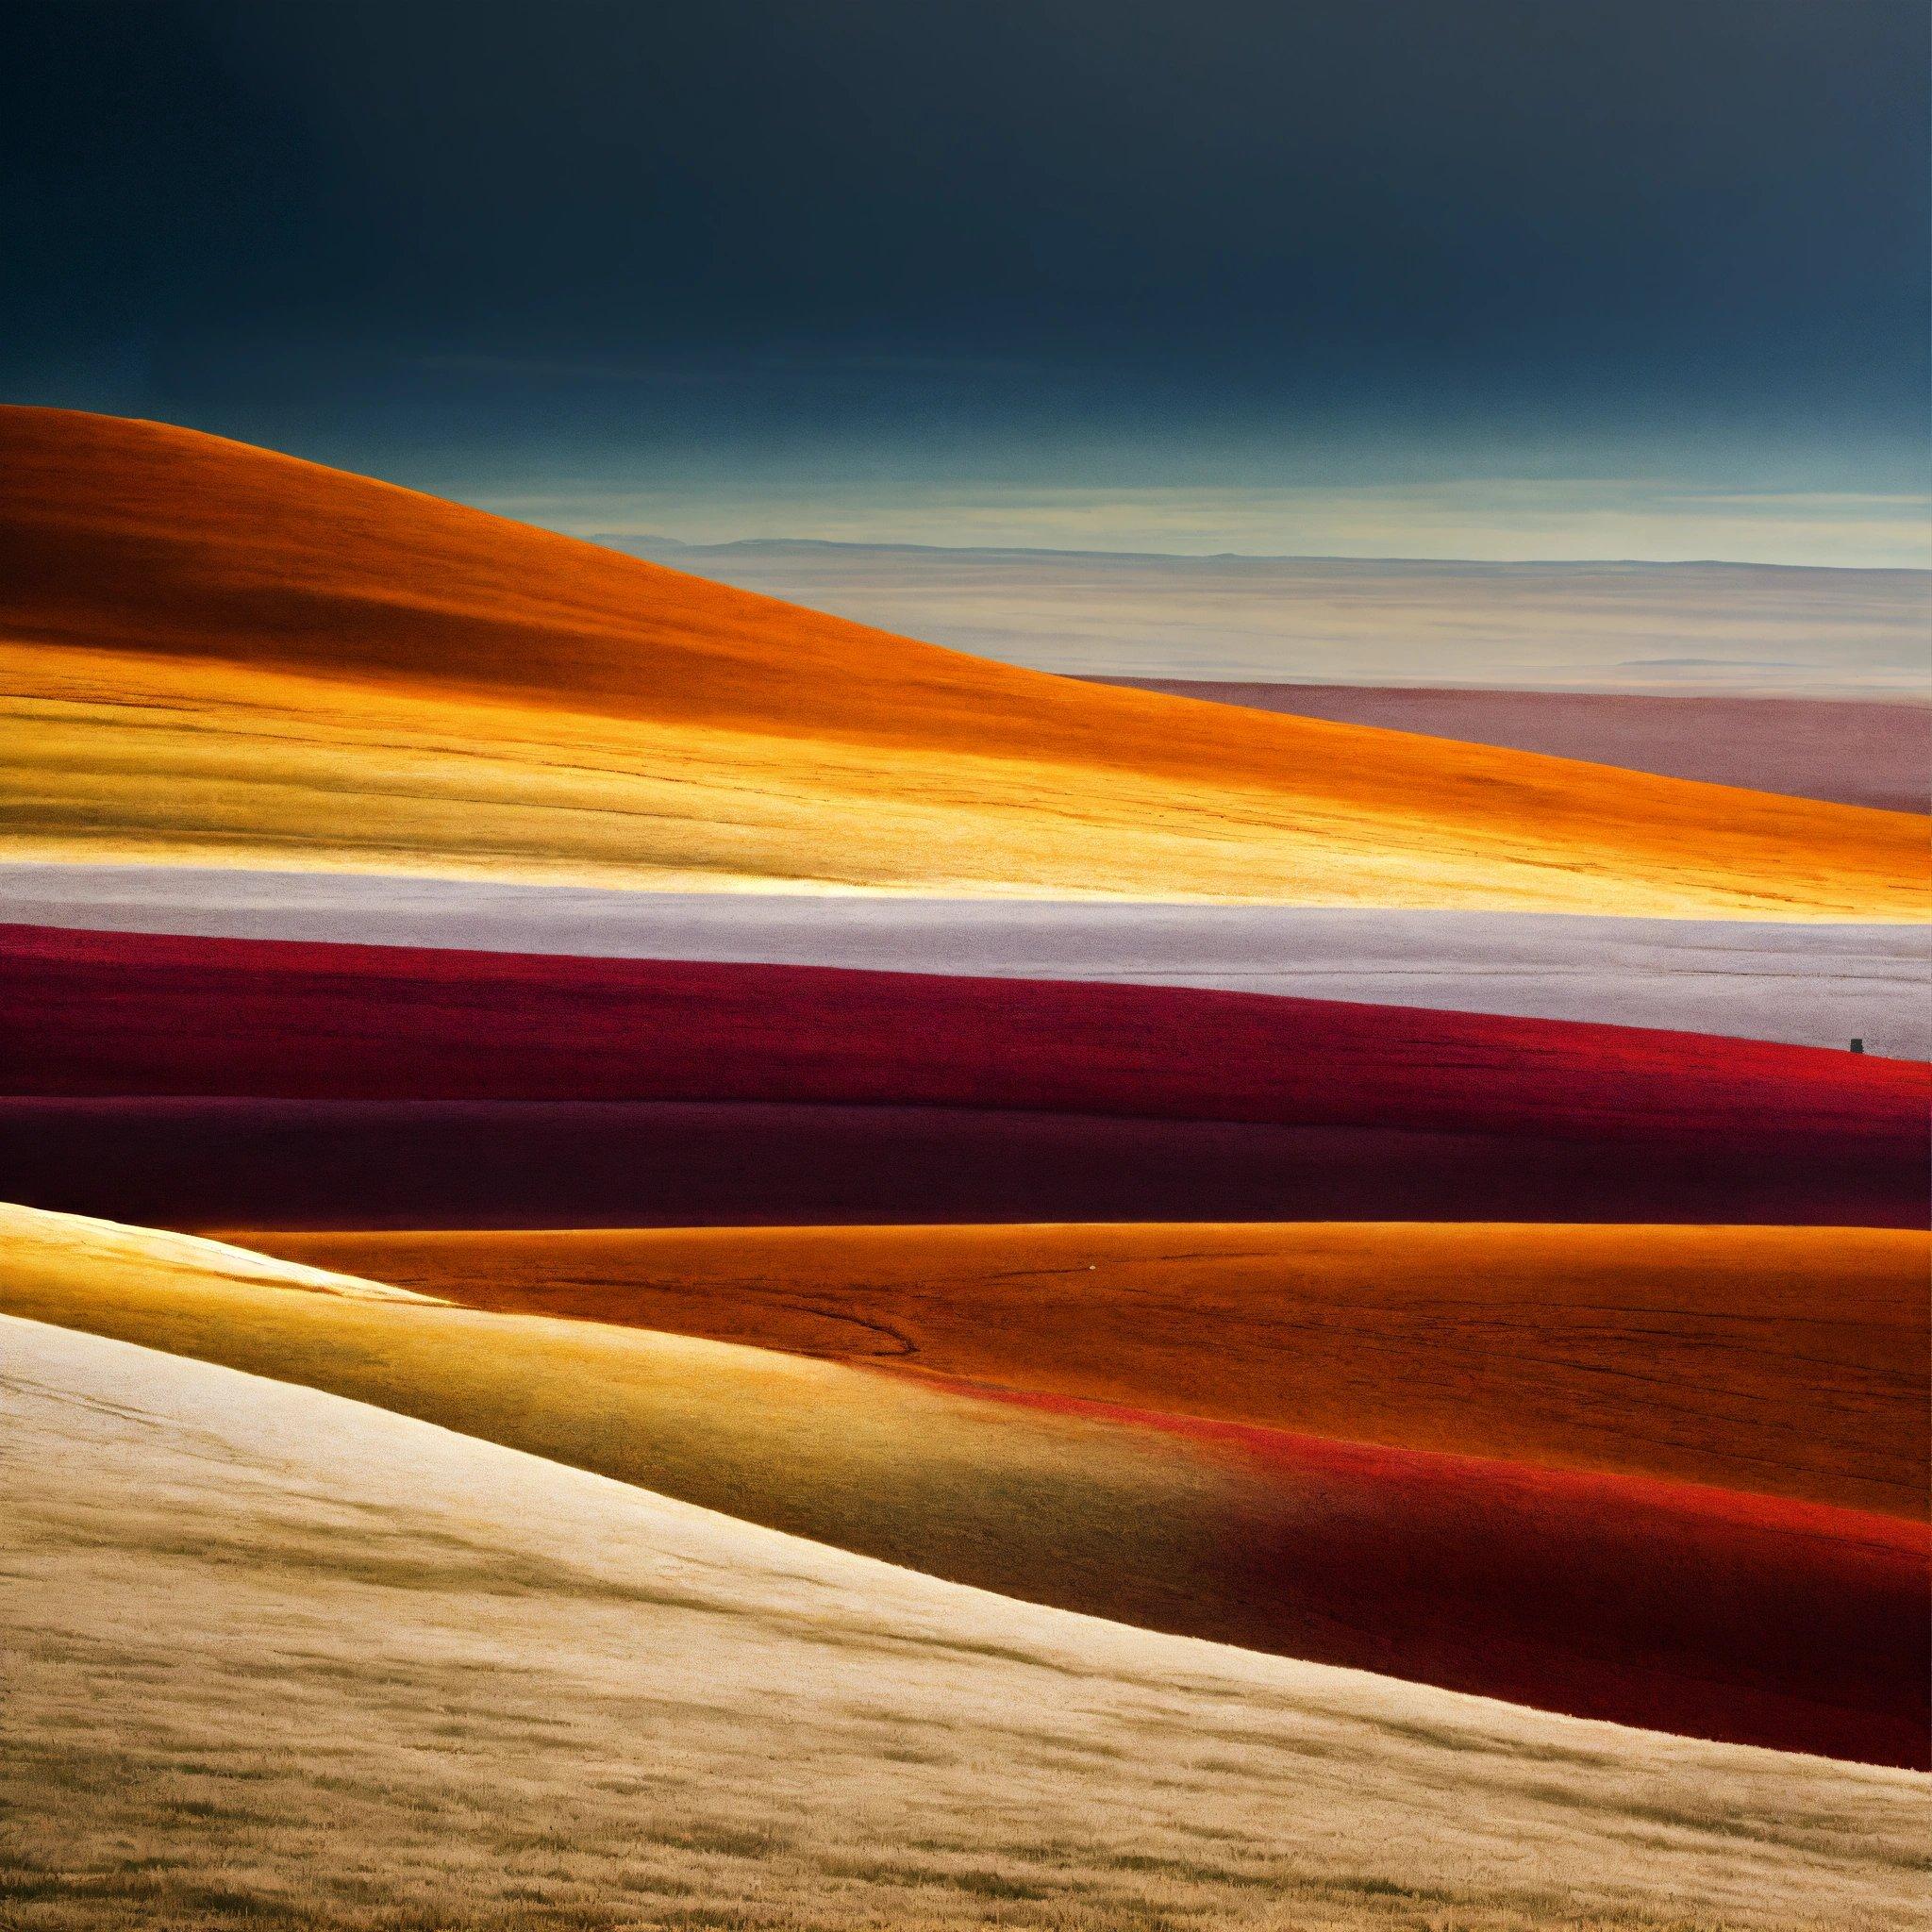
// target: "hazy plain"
[[1767, 629]]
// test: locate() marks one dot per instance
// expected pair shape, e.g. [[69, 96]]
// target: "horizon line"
[[609, 538]]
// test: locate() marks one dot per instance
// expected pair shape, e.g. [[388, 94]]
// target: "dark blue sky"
[[620, 263]]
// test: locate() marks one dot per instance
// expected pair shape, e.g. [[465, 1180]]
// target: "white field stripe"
[[1813, 983]]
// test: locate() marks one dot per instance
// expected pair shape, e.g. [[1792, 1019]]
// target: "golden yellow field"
[[216, 653]]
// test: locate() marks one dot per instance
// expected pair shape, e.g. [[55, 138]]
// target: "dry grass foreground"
[[228, 655], [279, 1659], [996, 1493], [1787, 1360], [1694, 1610]]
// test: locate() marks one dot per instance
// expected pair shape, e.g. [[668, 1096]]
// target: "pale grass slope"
[[276, 1659]]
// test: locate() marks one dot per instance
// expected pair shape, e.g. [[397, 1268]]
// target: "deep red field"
[[1026, 1099], [131, 1013], [176, 1162], [1608, 1594], [1696, 1610]]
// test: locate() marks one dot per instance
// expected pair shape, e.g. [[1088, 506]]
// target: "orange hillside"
[[1787, 1360], [411, 657]]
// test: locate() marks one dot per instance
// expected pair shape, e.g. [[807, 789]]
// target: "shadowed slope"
[[1667, 1605], [228, 653], [1652, 1125], [1788, 1361], [872, 1746], [508, 1164], [1849, 751]]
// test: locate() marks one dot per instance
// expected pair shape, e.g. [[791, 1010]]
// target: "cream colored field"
[[999, 1495], [279, 1659]]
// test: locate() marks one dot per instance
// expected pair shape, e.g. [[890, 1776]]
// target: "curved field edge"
[[614, 1683], [1787, 1360], [225, 653], [1675, 1607]]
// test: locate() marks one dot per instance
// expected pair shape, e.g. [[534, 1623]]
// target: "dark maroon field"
[[195, 1081]]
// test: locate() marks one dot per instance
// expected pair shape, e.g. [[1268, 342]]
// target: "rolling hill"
[[229, 655], [1789, 1361], [1672, 1606], [644, 1712], [186, 1040]]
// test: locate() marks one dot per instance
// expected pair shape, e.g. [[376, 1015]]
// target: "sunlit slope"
[[1672, 1606], [648, 1715], [225, 653], [1788, 1360]]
